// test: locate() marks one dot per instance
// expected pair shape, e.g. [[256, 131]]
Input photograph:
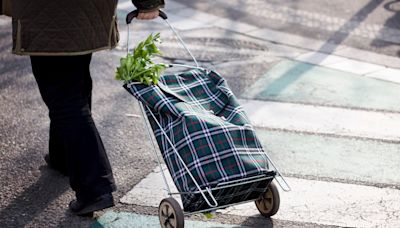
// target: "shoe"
[[53, 167], [79, 207]]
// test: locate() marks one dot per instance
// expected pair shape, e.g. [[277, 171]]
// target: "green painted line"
[[330, 157], [294, 81], [113, 219]]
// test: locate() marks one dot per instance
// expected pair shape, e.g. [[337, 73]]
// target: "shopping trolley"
[[206, 141]]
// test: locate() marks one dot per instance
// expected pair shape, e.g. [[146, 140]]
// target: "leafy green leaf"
[[138, 66], [209, 215]]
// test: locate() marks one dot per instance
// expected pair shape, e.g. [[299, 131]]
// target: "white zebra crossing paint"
[[323, 120], [325, 203], [332, 203], [113, 219]]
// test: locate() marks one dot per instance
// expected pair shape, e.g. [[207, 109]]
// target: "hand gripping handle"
[[135, 13], [164, 16]]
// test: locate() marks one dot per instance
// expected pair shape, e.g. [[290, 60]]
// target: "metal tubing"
[[176, 34], [182, 42], [217, 208], [184, 165], [287, 187], [127, 39], [245, 179], [227, 186], [187, 66], [242, 183], [154, 148]]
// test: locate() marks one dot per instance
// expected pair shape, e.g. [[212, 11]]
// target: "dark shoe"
[[52, 166], [86, 208]]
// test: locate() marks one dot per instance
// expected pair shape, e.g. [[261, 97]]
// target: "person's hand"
[[148, 15]]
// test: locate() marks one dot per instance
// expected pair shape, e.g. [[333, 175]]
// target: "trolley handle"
[[135, 13], [130, 16]]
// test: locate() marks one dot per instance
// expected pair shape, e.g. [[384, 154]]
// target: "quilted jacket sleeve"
[[5, 7], [148, 5]]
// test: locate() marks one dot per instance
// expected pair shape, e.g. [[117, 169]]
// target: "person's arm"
[[148, 9]]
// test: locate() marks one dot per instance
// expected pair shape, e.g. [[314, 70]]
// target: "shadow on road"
[[255, 222], [393, 22], [328, 47], [33, 200]]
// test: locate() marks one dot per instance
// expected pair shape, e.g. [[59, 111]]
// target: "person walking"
[[60, 37]]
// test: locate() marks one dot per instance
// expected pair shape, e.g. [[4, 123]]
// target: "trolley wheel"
[[171, 214], [268, 203]]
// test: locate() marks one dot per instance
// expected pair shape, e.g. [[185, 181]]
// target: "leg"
[[88, 85], [57, 156], [67, 93]]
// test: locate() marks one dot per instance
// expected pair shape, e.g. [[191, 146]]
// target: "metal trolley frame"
[[170, 212]]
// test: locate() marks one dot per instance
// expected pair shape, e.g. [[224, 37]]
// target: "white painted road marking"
[[352, 66], [320, 202], [324, 120], [124, 220]]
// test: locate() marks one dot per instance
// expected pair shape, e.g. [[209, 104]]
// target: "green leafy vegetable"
[[139, 66], [209, 215]]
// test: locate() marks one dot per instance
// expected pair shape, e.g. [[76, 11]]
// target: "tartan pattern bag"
[[209, 129]]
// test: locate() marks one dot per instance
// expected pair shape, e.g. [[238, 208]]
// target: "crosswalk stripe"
[[329, 158], [332, 203], [113, 219], [316, 20], [324, 120], [299, 82], [320, 202], [352, 66]]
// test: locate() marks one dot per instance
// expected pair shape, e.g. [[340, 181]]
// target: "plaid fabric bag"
[[209, 129]]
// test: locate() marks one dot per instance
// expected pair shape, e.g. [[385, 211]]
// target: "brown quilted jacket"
[[63, 27]]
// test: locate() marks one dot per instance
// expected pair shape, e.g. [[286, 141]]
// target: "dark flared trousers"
[[75, 145]]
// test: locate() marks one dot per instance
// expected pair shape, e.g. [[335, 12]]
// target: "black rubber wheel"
[[268, 203], [170, 214]]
